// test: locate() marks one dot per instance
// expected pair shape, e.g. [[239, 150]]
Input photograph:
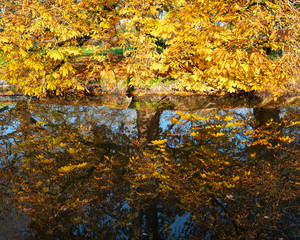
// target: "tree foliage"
[[216, 45]]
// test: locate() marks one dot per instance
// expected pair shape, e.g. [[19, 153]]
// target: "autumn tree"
[[203, 46], [41, 40], [223, 44]]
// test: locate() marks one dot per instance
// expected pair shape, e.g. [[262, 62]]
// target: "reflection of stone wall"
[[13, 225]]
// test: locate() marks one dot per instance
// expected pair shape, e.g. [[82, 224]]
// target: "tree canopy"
[[200, 45]]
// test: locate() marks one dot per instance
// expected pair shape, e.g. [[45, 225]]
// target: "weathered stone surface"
[[174, 102], [13, 98], [3, 82]]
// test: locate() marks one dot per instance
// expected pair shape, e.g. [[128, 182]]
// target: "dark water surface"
[[94, 172]]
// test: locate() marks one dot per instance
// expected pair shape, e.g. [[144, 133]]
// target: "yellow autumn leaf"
[[64, 71], [55, 75], [71, 150], [236, 178], [258, 205], [228, 118], [56, 55], [39, 183], [47, 161], [10, 93], [159, 142], [69, 168], [66, 169]]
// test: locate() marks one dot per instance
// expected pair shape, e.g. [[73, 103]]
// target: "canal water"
[[96, 172]]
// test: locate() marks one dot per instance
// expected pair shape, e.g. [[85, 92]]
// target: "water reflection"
[[101, 173]]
